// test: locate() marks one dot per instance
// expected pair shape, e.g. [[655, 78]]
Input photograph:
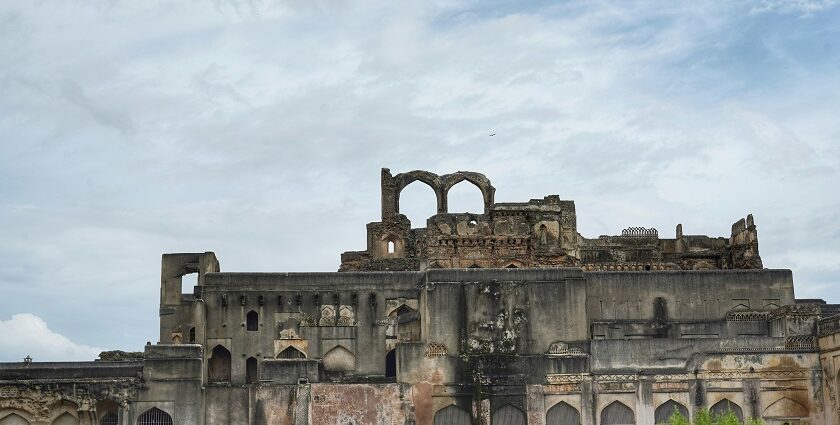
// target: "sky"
[[257, 130]]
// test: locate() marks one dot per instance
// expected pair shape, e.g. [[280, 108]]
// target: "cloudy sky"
[[256, 129]]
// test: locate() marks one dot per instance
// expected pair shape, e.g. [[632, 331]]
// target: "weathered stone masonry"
[[507, 316]]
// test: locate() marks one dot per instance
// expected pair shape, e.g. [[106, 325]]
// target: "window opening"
[[391, 247], [154, 416], [252, 321], [251, 371], [391, 364], [188, 283]]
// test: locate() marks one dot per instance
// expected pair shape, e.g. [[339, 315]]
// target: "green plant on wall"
[[703, 417]]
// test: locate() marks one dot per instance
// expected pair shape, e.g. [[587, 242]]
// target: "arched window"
[[418, 202], [154, 416], [391, 364], [251, 372], [508, 415], [617, 413], [474, 266], [13, 419], [724, 406], [465, 197], [218, 367], [252, 321], [665, 410], [192, 335], [452, 415], [66, 419], [562, 414], [291, 353], [109, 419], [391, 247]]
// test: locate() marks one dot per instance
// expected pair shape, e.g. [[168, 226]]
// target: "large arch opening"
[[617, 413], [391, 364], [154, 416], [218, 367], [452, 415], [725, 406], [562, 414], [464, 197], [418, 202], [508, 415], [663, 413]]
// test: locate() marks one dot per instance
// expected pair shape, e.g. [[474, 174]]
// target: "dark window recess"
[[252, 321], [218, 368], [291, 353], [251, 373], [192, 335], [391, 364]]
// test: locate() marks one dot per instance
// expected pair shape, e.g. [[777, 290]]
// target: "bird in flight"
[[492, 134]]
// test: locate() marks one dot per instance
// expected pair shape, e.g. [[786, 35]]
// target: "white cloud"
[[257, 129], [27, 334]]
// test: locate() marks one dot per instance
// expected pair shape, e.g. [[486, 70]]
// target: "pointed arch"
[[665, 410], [218, 367], [291, 352], [617, 413], [722, 407], [464, 196], [110, 418], [13, 419], [192, 335], [452, 415], [66, 419], [785, 408], [339, 358], [252, 373], [508, 415], [154, 416], [415, 204], [252, 321], [562, 414]]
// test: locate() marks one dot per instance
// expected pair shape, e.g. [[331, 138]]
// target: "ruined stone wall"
[[537, 233]]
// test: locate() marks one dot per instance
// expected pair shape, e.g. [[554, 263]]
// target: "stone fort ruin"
[[506, 316]]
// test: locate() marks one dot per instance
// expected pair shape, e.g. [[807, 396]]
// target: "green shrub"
[[703, 417]]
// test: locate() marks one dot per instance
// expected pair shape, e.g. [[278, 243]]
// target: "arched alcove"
[[339, 358], [465, 197], [418, 202], [722, 407], [13, 419], [252, 321], [562, 414], [617, 413], [66, 419], [192, 335], [452, 415], [251, 371], [785, 408], [154, 416], [218, 367], [665, 410], [508, 415], [291, 353]]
